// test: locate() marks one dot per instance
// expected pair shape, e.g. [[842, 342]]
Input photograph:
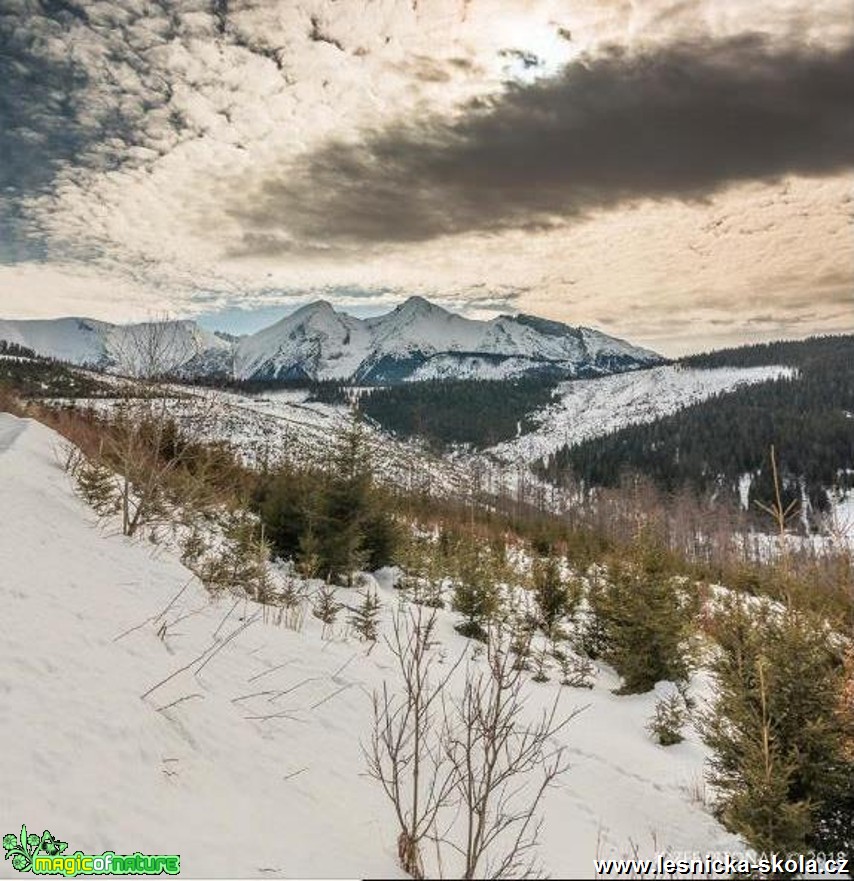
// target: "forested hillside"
[[809, 418], [476, 412], [30, 376]]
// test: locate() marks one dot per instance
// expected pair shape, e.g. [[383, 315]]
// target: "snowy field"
[[590, 408], [248, 763]]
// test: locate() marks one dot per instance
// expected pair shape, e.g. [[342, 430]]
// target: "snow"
[[418, 325], [842, 513], [77, 340], [317, 339], [332, 345], [286, 427], [321, 343], [588, 408], [86, 342], [86, 756]]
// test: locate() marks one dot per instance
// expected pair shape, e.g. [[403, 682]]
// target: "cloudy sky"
[[676, 172]]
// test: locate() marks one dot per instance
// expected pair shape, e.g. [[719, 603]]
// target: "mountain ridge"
[[416, 340]]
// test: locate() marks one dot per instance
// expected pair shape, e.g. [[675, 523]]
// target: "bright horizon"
[[245, 322]]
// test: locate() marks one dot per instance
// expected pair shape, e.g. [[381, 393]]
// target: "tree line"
[[29, 375], [445, 412], [808, 417]]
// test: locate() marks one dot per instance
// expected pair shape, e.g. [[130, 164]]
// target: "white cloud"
[[202, 113]]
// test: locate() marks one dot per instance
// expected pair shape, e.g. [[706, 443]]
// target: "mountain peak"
[[315, 307], [416, 305], [416, 340]]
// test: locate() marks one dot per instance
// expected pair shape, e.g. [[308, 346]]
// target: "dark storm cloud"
[[682, 123], [37, 129]]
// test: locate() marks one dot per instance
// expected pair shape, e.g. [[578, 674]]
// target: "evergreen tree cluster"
[[29, 376], [332, 522], [323, 391], [779, 732], [15, 350], [710, 445], [479, 568], [641, 619], [444, 412]]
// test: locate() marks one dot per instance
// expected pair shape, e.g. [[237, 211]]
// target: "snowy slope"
[[318, 342], [193, 768], [77, 340], [592, 407], [125, 348], [315, 341], [285, 427]]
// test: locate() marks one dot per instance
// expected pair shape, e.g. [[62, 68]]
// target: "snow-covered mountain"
[[135, 349], [419, 340], [415, 341]]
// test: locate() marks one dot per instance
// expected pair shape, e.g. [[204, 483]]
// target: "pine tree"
[[551, 594], [590, 636], [97, 485], [476, 594], [778, 742], [835, 820], [669, 718], [243, 561], [325, 607], [365, 617], [352, 529], [308, 558], [576, 671], [193, 547], [540, 665], [647, 617], [522, 628], [421, 572], [285, 502]]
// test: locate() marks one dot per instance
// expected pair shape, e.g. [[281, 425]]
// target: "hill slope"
[[192, 769], [722, 444]]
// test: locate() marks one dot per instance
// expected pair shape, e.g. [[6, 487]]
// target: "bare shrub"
[[468, 775], [496, 757], [406, 754]]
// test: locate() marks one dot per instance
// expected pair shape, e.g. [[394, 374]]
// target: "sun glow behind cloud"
[[538, 49]]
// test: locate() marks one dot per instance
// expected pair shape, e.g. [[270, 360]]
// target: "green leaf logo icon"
[[23, 849]]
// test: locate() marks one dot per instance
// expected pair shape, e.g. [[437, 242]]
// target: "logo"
[[45, 855]]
